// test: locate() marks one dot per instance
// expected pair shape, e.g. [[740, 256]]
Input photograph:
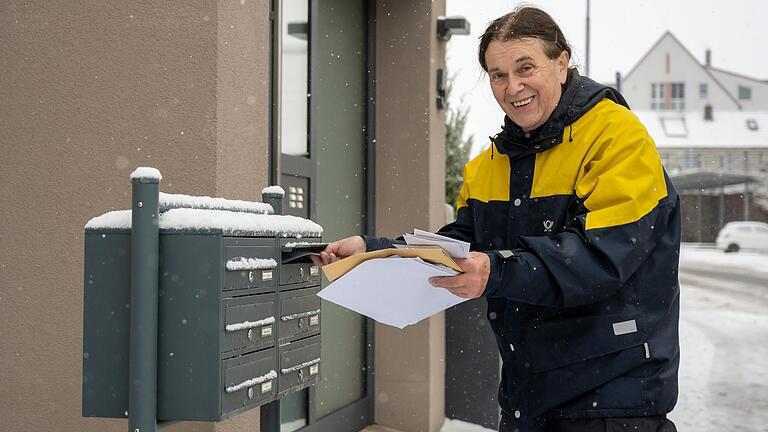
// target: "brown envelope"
[[338, 269]]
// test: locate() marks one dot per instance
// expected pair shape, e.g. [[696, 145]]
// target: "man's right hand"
[[340, 249]]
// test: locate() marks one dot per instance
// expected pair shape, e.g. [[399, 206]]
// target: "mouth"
[[522, 102]]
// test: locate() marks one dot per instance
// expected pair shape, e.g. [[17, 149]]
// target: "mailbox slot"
[[248, 379], [249, 322], [299, 364], [250, 267], [296, 266], [299, 314]]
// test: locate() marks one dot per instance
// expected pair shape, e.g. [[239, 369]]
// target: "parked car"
[[735, 236]]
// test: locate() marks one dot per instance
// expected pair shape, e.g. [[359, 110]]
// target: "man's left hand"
[[471, 283]]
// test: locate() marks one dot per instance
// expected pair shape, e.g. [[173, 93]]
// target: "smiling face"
[[525, 82]]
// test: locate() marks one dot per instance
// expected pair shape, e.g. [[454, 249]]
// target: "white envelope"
[[393, 290]]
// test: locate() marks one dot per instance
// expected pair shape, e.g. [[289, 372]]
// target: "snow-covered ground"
[[723, 334], [694, 255]]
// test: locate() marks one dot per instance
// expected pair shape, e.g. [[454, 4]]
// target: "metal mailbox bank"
[[238, 318]]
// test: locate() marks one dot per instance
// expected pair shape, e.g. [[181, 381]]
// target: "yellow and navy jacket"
[[582, 226]]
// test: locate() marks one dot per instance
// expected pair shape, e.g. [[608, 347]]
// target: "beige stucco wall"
[[410, 174], [89, 91]]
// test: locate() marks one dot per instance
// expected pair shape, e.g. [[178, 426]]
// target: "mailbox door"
[[249, 322], [300, 273], [299, 314], [249, 380], [246, 266], [299, 364]]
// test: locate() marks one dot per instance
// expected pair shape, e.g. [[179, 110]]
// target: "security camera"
[[447, 27]]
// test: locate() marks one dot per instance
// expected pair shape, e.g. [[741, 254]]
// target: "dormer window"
[[745, 93]]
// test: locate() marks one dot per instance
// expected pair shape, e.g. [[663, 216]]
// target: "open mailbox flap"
[[301, 252]]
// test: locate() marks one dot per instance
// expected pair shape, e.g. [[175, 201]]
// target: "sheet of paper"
[[393, 291], [454, 248]]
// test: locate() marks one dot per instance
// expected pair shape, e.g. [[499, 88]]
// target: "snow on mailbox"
[[238, 319]]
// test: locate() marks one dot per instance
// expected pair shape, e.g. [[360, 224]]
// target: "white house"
[[669, 78], [711, 129]]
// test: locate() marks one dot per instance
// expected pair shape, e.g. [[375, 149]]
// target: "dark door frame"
[[359, 413]]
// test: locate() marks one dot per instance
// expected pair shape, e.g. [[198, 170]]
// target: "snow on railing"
[[146, 173], [250, 324], [304, 244], [174, 201], [273, 190], [241, 263], [118, 219], [228, 222], [301, 366], [253, 381], [300, 315]]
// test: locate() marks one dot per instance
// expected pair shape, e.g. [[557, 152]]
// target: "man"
[[575, 232]]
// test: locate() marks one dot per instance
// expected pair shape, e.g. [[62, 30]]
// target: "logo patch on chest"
[[548, 225]]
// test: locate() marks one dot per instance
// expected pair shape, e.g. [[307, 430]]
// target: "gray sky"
[[622, 31]]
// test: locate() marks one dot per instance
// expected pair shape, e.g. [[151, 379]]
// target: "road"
[[724, 349]]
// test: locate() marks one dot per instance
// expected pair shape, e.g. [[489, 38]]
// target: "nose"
[[514, 85]]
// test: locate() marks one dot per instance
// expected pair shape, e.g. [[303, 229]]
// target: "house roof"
[[695, 60], [738, 75], [728, 129]]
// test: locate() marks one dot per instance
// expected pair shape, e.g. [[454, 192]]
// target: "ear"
[[562, 66]]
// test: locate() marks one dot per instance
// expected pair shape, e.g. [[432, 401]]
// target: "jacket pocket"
[[561, 343]]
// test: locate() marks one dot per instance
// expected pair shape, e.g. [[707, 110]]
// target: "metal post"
[[699, 222], [586, 66], [275, 200], [721, 204], [145, 248], [270, 417], [746, 200]]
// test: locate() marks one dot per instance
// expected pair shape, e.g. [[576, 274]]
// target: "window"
[[294, 78], [668, 96], [691, 160], [674, 127], [677, 101], [745, 93], [703, 90]]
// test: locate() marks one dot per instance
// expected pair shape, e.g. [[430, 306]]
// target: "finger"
[[448, 281], [334, 258], [326, 258], [459, 292], [468, 264], [316, 260]]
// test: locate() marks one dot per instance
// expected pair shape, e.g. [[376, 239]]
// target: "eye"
[[497, 76], [526, 69]]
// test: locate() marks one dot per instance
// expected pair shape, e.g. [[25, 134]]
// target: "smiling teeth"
[[522, 102]]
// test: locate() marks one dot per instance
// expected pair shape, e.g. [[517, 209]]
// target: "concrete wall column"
[[410, 184], [90, 91]]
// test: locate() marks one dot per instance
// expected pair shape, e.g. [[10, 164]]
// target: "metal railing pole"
[[145, 249], [275, 200]]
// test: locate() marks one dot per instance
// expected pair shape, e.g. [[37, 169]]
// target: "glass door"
[[321, 119]]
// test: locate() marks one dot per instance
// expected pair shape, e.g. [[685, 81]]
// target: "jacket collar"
[[579, 95]]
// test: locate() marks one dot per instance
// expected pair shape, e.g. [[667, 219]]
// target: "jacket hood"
[[579, 95]]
